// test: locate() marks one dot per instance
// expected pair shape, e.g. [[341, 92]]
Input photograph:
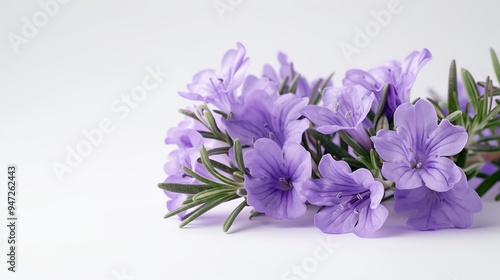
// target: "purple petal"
[[333, 220], [276, 178], [234, 65], [330, 168], [322, 192], [322, 117], [298, 162], [275, 203], [440, 174], [268, 72], [370, 220], [402, 174], [175, 201], [432, 210], [390, 146], [265, 159], [447, 139], [362, 78], [407, 114]]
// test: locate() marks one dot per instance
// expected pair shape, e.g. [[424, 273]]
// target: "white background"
[[103, 220]]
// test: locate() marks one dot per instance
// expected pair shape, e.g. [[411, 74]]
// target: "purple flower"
[[184, 136], [431, 210], [344, 109], [261, 115], [188, 142], [286, 70], [175, 174], [276, 178], [352, 199], [400, 77], [416, 153], [219, 87]]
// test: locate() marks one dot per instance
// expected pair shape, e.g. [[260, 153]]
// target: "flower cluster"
[[279, 144]]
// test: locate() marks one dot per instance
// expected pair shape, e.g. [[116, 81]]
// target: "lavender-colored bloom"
[[352, 199], [184, 136], [188, 142], [276, 178], [400, 77], [344, 109], [219, 87], [303, 87], [432, 210], [175, 174], [416, 153], [253, 84], [261, 115]]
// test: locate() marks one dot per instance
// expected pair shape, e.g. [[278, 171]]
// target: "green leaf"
[[218, 165], [374, 158], [353, 144], [472, 169], [184, 188], [228, 140], [206, 207], [202, 179], [185, 207], [497, 198], [489, 138], [391, 196], [226, 116], [254, 214], [496, 64], [354, 163], [366, 162], [493, 123], [209, 135], [483, 148], [381, 106], [438, 108], [315, 91], [483, 100], [213, 192], [473, 94], [330, 147], [489, 117], [211, 121], [328, 79], [282, 88], [189, 114], [210, 168], [496, 90], [462, 158], [382, 123], [229, 221], [453, 104], [317, 97], [238, 175], [488, 183], [293, 86], [218, 151], [454, 116], [238, 155]]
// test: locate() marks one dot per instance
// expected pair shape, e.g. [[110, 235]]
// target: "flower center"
[[337, 105], [417, 161], [354, 202], [285, 184], [220, 87]]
